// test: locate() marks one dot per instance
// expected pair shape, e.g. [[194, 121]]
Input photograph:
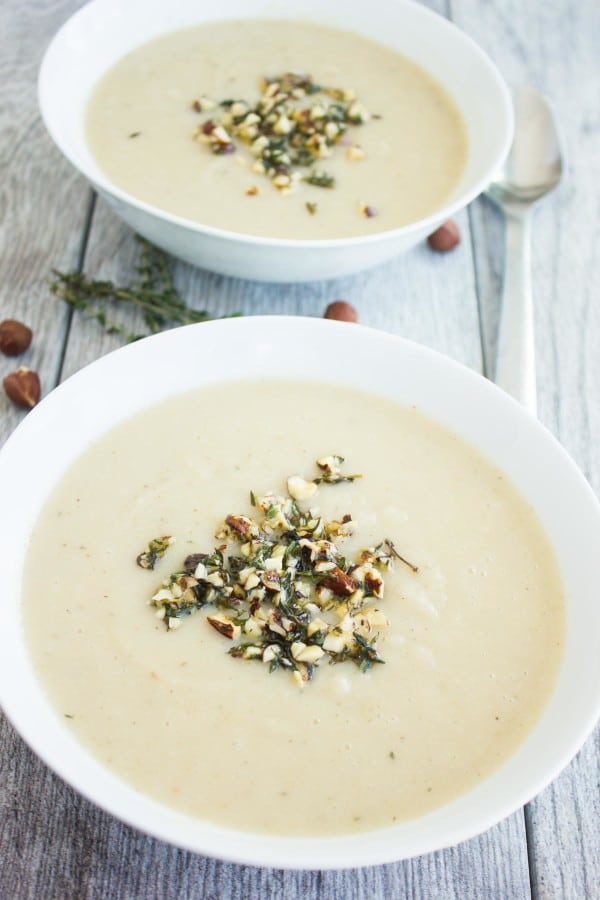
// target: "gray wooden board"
[[54, 843], [556, 47], [43, 202]]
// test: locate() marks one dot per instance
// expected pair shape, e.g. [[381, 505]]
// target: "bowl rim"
[[343, 851], [102, 183]]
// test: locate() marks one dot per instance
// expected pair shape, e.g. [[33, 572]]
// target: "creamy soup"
[[396, 167], [471, 650]]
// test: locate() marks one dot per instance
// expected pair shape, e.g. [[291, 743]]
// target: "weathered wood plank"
[[423, 296], [555, 47], [44, 203]]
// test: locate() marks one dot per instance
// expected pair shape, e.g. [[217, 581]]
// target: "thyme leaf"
[[152, 292], [155, 550], [395, 553], [320, 179]]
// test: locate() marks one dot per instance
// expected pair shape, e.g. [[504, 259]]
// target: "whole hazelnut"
[[342, 311], [23, 387], [15, 337], [445, 238]]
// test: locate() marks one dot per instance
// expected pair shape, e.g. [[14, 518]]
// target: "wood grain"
[[43, 202], [555, 47], [54, 843]]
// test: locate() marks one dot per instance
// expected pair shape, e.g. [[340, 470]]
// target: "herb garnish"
[[153, 293], [281, 587], [320, 179], [395, 553], [331, 471], [155, 550], [283, 133]]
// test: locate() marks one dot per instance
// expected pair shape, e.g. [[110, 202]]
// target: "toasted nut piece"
[[355, 152], [282, 181], [274, 564], [310, 653], [203, 104], [252, 581], [339, 583], [283, 125], [216, 579], [315, 626], [270, 652], [23, 387], [174, 623], [224, 626], [331, 464], [341, 311], [374, 583], [358, 114], [376, 618], [300, 489], [200, 572], [253, 627], [347, 624], [259, 145], [297, 648], [241, 524], [324, 596], [324, 565], [15, 337], [336, 642], [271, 580], [445, 238], [366, 210], [341, 609]]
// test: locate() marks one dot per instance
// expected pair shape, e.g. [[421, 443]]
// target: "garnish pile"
[[282, 589], [288, 137]]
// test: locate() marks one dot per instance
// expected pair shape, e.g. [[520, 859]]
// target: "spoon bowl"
[[534, 165]]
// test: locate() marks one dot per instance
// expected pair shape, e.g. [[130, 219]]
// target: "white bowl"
[[137, 376], [104, 30]]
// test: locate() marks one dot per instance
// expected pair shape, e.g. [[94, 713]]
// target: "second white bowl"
[[105, 30]]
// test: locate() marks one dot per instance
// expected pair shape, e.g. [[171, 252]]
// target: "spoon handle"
[[515, 362]]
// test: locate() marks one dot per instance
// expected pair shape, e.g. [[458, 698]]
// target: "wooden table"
[[53, 843]]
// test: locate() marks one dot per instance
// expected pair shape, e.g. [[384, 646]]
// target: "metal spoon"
[[533, 168]]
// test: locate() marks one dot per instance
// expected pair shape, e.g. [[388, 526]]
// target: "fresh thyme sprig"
[[152, 292]]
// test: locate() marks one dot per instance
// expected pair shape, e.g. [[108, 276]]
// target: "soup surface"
[[141, 125], [471, 651]]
